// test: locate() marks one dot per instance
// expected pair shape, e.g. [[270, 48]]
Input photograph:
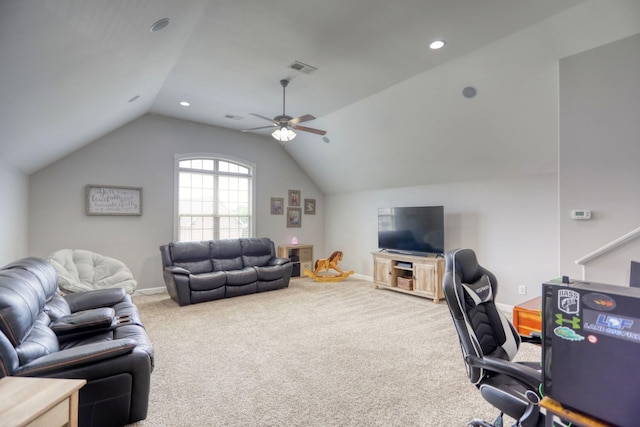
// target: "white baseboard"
[[506, 309], [150, 291]]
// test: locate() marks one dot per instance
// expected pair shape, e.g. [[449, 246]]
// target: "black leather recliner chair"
[[95, 335], [490, 342]]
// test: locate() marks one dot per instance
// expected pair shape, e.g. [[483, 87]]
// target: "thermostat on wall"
[[581, 214]]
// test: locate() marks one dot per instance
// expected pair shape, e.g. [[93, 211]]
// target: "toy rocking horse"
[[326, 264]]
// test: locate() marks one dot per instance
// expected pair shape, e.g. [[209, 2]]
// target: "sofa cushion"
[[242, 277], [57, 307], [207, 281], [256, 251], [267, 273], [226, 255], [21, 302], [40, 341], [193, 256]]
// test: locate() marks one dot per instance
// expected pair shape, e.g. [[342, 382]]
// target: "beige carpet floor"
[[313, 354]]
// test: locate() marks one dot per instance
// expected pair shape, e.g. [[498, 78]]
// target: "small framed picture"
[[294, 197], [294, 218], [309, 206], [277, 206]]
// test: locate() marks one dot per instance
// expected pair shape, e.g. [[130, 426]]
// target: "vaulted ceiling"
[[72, 71]]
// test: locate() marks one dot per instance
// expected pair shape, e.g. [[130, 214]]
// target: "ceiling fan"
[[285, 124]]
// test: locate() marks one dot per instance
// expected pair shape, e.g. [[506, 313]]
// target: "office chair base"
[[481, 423]]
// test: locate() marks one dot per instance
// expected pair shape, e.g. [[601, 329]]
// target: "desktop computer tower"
[[591, 349]]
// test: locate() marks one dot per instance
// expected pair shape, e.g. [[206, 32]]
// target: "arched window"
[[214, 198]]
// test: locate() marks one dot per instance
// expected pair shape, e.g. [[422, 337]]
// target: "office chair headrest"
[[465, 263]]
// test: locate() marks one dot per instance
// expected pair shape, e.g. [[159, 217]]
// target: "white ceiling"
[[69, 68]]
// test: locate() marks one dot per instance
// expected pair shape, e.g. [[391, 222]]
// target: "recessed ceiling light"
[[184, 103], [159, 25], [437, 44]]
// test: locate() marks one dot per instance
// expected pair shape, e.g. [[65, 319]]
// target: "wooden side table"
[[304, 254], [527, 317], [39, 402]]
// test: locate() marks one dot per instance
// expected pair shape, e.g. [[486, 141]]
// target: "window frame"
[[177, 158]]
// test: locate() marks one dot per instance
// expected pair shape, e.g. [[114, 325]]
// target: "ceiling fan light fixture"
[[283, 134]]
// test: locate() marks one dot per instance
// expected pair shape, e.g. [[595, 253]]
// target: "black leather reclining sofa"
[[213, 269], [95, 335]]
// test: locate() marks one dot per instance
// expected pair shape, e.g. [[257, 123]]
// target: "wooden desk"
[[527, 318], [39, 402], [577, 418]]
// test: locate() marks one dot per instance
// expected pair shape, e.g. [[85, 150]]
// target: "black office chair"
[[489, 342]]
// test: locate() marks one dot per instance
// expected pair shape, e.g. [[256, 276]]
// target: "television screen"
[[412, 230]]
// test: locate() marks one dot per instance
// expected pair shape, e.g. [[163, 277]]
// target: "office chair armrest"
[[526, 375]]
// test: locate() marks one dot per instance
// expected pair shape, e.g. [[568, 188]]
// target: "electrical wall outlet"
[[522, 290]]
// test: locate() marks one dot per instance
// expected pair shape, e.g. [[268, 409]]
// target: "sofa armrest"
[[76, 356], [95, 299], [178, 286], [177, 270], [278, 261], [83, 321]]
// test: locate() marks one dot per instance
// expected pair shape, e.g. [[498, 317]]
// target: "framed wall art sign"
[[112, 200]]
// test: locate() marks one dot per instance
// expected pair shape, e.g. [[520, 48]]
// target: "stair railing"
[[604, 249]]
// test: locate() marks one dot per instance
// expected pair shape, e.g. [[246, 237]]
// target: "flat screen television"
[[415, 230]]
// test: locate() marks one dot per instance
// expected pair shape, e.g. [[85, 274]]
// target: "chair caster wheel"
[[479, 423]]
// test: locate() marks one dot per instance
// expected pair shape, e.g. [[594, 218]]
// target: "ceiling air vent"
[[303, 68], [233, 117]]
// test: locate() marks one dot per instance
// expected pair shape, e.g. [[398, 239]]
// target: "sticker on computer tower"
[[599, 302], [616, 326], [568, 301], [573, 322], [567, 334]]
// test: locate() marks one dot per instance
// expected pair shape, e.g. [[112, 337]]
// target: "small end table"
[[27, 401], [527, 317]]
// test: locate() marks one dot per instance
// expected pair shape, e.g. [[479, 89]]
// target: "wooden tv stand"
[[415, 275]]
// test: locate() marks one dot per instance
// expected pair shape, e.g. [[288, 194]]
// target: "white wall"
[[599, 157], [141, 154], [511, 224], [13, 213]]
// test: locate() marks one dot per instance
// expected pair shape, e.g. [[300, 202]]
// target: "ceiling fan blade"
[[265, 118], [258, 128], [312, 130], [301, 119]]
